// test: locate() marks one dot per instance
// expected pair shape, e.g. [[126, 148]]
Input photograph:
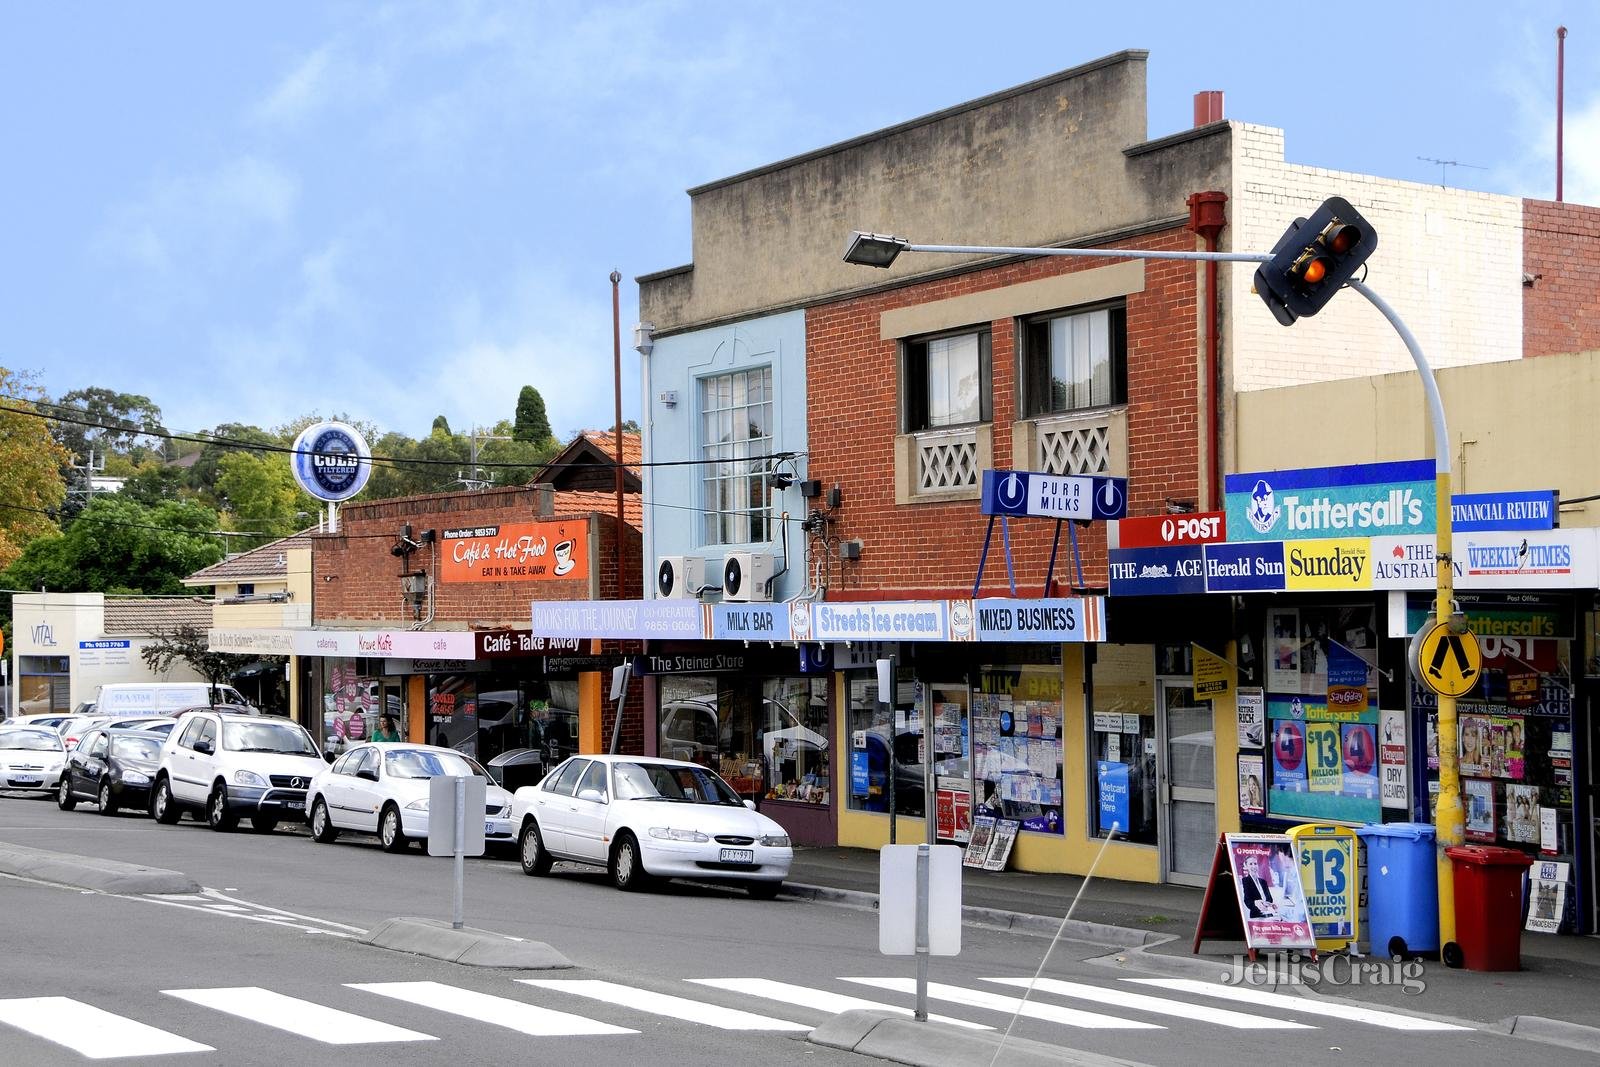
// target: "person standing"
[[387, 730]]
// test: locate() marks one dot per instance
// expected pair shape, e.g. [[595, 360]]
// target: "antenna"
[[1443, 163]]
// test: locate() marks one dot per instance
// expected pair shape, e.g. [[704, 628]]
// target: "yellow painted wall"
[[1225, 724]]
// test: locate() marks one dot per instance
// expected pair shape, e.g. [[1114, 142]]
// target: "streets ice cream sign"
[[1321, 502], [331, 461]]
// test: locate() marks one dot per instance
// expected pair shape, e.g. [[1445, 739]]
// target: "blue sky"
[[251, 211]]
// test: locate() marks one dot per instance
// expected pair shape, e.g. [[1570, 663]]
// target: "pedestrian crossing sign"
[[1446, 660]]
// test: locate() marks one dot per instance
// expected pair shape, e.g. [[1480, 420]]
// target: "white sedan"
[[382, 787], [643, 818], [31, 758]]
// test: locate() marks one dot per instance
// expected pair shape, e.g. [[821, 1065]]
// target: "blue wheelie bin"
[[1402, 888]]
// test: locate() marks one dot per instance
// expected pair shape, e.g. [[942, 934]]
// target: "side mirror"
[[750, 804], [329, 757], [203, 747], [366, 775], [593, 796]]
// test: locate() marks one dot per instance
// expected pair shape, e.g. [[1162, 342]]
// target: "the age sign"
[[1158, 531]]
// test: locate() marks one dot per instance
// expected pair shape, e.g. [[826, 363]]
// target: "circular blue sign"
[[331, 461]]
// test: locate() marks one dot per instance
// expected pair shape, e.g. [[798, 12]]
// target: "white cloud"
[[1527, 76]]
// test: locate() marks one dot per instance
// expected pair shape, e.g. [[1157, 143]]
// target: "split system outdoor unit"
[[680, 577], [747, 577]]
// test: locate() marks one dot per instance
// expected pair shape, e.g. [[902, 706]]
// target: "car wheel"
[[108, 803], [627, 869], [163, 807], [322, 828], [218, 817], [763, 890], [64, 798], [535, 860], [263, 824], [389, 831]]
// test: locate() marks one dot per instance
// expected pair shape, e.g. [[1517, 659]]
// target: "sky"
[[253, 211]]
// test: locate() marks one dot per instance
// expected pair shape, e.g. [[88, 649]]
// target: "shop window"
[[886, 745], [1122, 741], [767, 738], [794, 740], [1075, 360], [946, 381], [351, 701], [44, 685], [1323, 760], [1016, 746]]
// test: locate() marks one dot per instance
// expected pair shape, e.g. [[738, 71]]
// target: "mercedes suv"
[[227, 766]]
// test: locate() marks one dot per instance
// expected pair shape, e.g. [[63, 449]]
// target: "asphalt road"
[[680, 974]]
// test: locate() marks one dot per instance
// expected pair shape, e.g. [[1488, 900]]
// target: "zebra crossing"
[[537, 1007]]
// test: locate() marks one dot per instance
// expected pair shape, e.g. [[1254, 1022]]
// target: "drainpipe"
[[1207, 218]]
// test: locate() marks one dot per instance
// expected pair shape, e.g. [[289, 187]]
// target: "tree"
[[532, 422], [31, 462], [261, 494], [154, 483], [118, 545], [122, 418], [188, 643], [441, 425], [202, 475]]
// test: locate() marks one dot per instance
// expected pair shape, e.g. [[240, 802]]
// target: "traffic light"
[[1314, 259]]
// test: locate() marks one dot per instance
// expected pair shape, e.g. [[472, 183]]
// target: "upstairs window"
[[736, 443], [1073, 361], [946, 381]]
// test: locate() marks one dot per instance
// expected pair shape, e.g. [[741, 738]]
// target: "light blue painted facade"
[[674, 497]]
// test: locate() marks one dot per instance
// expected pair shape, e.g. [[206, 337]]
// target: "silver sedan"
[[31, 759]]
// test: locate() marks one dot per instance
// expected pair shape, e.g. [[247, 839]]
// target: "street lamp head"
[[874, 249]]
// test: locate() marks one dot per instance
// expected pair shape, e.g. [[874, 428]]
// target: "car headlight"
[[667, 833], [775, 840], [135, 778], [502, 812], [418, 805], [248, 778]]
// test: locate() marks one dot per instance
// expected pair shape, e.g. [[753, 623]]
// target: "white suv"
[[231, 765]]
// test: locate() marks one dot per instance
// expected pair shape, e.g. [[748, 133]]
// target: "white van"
[[158, 698]]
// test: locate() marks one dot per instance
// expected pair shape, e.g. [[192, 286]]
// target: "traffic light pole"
[[879, 250], [1448, 816]]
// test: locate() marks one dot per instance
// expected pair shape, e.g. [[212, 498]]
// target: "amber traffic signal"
[[1314, 259]]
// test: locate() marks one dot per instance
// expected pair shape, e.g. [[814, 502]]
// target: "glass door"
[[949, 727], [1188, 780]]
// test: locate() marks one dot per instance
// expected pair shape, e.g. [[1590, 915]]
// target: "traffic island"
[[900, 1039], [470, 947], [90, 872]]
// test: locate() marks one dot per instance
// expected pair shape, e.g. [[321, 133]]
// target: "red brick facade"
[[1561, 254], [932, 549]]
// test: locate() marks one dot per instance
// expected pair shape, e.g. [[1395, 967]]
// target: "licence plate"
[[27, 781], [488, 828], [738, 855]]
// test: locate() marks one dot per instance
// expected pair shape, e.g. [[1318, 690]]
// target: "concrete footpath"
[[1151, 927]]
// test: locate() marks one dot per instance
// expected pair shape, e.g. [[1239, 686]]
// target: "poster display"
[[1252, 794], [1016, 747], [1477, 798], [978, 843], [1392, 758], [1251, 708], [1522, 814], [999, 851], [1328, 877], [1547, 897], [1272, 907], [1323, 765], [1113, 810]]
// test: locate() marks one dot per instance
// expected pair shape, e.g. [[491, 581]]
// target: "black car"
[[113, 768]]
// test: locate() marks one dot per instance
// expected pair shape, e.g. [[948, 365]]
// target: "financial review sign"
[[1364, 500]]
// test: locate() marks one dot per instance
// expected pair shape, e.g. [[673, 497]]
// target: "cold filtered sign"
[[331, 461]]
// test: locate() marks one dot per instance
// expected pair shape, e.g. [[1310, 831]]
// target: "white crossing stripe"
[[1325, 1006], [821, 1000], [1122, 998], [515, 1015], [87, 1030], [694, 1011], [302, 1017], [977, 998]]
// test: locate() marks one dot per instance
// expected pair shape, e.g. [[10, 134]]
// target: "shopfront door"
[[1188, 783]]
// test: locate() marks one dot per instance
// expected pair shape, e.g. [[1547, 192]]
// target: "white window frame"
[[736, 466]]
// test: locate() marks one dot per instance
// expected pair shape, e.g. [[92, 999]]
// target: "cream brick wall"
[[1463, 308]]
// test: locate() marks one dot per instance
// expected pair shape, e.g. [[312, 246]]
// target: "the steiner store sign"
[[1054, 620]]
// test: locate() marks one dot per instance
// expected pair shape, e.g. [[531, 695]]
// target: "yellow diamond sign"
[[1447, 662]]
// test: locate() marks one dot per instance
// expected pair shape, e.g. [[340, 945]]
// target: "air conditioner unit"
[[679, 577], [746, 576], [414, 584]]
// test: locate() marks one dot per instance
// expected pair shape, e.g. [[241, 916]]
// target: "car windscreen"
[[147, 749], [282, 737], [414, 763], [30, 740], [661, 781]]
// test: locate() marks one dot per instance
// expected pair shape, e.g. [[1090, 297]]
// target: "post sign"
[[1054, 496], [1329, 879], [1162, 531]]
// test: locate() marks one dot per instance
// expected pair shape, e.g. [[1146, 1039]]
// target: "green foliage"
[[118, 544], [125, 421], [260, 493], [203, 474], [532, 423], [440, 425], [31, 463]]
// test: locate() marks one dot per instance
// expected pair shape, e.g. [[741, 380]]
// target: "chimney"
[[1207, 107]]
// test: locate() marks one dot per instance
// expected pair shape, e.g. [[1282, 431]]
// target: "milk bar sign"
[[1054, 496]]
